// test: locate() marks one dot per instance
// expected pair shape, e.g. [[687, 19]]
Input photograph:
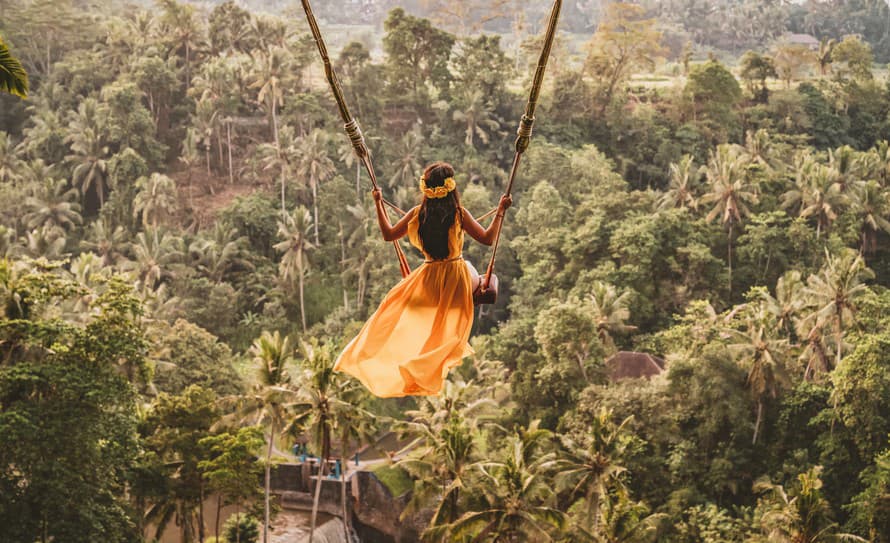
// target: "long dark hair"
[[437, 215]]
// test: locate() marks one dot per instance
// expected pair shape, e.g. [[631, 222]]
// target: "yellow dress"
[[421, 328]]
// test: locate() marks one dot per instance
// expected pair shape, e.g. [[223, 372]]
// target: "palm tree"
[[871, 205], [473, 110], [13, 78], [803, 518], [220, 251], [815, 192], [816, 353], [730, 192], [53, 206], [107, 242], [849, 166], [270, 400], [444, 431], [610, 312], [761, 353], [515, 494], [270, 67], [833, 291], [91, 167], [625, 521], [785, 307], [407, 169], [281, 157], [823, 55], [323, 403], [683, 185], [295, 245], [153, 254], [204, 126], [314, 165], [47, 242], [155, 200], [593, 469], [181, 28], [10, 162]]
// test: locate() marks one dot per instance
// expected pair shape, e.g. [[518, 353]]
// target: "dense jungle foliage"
[[187, 242]]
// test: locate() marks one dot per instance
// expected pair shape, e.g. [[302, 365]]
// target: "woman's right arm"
[[486, 236]]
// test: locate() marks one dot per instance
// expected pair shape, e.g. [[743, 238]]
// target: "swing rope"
[[351, 125], [524, 134], [357, 139]]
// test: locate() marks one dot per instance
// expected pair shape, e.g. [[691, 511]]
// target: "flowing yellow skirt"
[[418, 333]]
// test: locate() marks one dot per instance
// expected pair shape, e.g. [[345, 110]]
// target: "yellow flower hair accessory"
[[437, 192]]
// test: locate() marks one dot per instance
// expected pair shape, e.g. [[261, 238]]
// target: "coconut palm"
[[295, 245], [849, 167], [788, 302], [13, 78], [314, 166], [870, 203], [683, 185], [153, 254], [593, 469], [322, 403], [515, 495], [815, 192], [408, 164], [54, 206], [180, 27], [219, 251], [817, 351], [47, 242], [269, 71], [89, 157], [834, 291], [761, 353], [45, 137], [444, 431], [155, 200], [204, 126], [730, 191], [11, 163], [610, 312], [474, 112], [107, 242], [801, 517], [269, 401], [281, 157]]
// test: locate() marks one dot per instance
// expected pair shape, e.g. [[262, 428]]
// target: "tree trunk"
[[283, 208], [302, 304], [229, 146], [201, 513], [730, 257], [595, 512], [218, 513], [188, 66], [238, 524], [342, 265], [268, 483], [757, 423], [315, 210], [346, 516], [320, 476]]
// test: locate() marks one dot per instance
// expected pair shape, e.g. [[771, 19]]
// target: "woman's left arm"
[[390, 232]]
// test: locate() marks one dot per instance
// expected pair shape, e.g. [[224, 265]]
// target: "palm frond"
[[13, 78]]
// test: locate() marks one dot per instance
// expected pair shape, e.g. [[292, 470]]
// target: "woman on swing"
[[422, 326]]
